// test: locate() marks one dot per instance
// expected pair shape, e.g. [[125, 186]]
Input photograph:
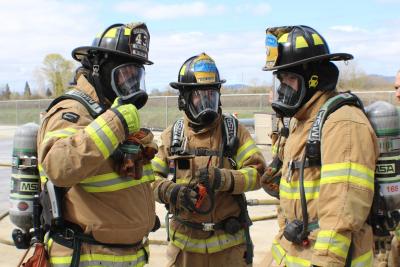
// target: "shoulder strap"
[[313, 145], [94, 108], [229, 135]]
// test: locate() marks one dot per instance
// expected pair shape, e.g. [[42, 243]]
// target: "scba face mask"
[[289, 92], [128, 83], [203, 105]]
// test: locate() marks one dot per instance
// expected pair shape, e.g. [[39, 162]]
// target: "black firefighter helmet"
[[199, 86], [301, 55], [116, 58]]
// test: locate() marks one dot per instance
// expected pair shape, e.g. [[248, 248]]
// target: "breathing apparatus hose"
[[303, 201]]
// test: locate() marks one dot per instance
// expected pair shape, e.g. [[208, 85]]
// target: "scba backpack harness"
[[228, 150]]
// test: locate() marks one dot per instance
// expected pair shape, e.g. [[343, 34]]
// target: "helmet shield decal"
[[139, 39], [271, 44], [204, 69], [127, 80]]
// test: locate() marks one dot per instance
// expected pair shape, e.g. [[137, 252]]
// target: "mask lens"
[[287, 88], [128, 79], [203, 100]]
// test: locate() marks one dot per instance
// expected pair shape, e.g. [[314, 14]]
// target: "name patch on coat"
[[70, 116]]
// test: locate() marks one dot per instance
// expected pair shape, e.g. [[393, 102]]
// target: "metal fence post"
[[166, 111]]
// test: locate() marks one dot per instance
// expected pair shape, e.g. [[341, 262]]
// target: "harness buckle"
[[69, 234], [208, 227]]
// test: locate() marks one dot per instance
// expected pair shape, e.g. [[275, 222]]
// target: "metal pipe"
[[257, 202]]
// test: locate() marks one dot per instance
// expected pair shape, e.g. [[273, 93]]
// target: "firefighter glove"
[[182, 197]]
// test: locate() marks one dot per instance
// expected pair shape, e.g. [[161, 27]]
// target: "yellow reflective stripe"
[[49, 244], [111, 33], [159, 165], [109, 133], [62, 133], [283, 38], [103, 137], [212, 244], [245, 151], [365, 260], [183, 181], [250, 178], [292, 261], [278, 253], [109, 182], [95, 259], [332, 241], [274, 149], [43, 175], [317, 39], [292, 190], [301, 42], [349, 172], [97, 141]]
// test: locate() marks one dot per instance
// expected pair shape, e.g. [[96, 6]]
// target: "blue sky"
[[232, 32]]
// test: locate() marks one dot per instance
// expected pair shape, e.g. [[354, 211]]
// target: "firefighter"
[[204, 165], [326, 190], [104, 216]]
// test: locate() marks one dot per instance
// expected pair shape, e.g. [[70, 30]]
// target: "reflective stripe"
[[102, 135], [183, 181], [332, 241], [292, 261], [112, 181], [212, 244], [274, 149], [159, 165], [245, 151], [347, 172], [86, 260], [365, 260], [292, 190], [250, 178], [43, 175], [63, 133], [278, 253]]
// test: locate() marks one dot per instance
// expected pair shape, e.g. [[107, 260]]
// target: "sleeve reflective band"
[[103, 137], [159, 166], [365, 260], [292, 190], [349, 172], [278, 253], [250, 178], [63, 133], [130, 117], [333, 242], [245, 151]]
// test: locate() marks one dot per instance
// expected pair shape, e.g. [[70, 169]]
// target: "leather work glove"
[[128, 113], [271, 178], [181, 197], [135, 152], [219, 179]]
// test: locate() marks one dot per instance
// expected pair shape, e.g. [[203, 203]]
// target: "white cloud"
[[376, 50], [157, 11], [37, 28], [346, 28]]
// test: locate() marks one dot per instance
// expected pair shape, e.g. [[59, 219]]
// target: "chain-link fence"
[[160, 111]]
